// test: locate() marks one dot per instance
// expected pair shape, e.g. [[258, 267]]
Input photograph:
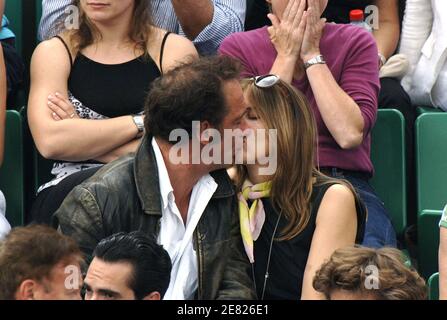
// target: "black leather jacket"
[[124, 196]]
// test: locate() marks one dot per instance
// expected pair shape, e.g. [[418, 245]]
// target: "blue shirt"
[[5, 32], [229, 16]]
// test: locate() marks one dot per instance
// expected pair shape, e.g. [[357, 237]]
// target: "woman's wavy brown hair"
[[347, 270], [140, 29], [284, 108]]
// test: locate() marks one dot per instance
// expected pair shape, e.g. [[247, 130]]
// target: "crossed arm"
[[57, 131]]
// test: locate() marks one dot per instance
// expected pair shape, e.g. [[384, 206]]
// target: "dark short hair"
[[347, 270], [150, 262], [31, 253], [190, 92]]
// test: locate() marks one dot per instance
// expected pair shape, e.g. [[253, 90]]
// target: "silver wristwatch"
[[316, 60], [139, 122]]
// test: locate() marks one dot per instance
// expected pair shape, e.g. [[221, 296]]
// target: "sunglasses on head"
[[266, 81]]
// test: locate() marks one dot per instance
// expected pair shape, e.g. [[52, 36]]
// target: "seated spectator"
[[38, 263], [4, 225], [128, 267], [307, 214], [206, 22], [443, 256], [101, 71], [392, 95], [337, 70], [14, 65], [424, 43], [166, 197], [369, 274]]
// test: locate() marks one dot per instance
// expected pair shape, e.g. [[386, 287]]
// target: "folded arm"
[[72, 139]]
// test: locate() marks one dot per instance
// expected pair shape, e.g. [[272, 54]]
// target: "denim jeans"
[[379, 231]]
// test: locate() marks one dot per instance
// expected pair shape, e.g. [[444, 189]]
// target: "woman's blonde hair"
[[287, 110], [140, 29]]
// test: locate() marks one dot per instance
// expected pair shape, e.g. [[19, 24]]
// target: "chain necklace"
[[267, 275]]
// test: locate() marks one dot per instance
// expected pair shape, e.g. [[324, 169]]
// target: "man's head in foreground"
[[128, 266], [38, 263], [358, 273]]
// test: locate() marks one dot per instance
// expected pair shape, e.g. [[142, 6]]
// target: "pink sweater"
[[351, 55]]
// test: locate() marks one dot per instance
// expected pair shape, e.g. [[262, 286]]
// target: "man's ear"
[[153, 296], [269, 2], [26, 290]]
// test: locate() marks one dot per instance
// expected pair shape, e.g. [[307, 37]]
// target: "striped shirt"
[[229, 16]]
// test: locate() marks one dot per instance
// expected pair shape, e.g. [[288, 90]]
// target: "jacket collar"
[[147, 179]]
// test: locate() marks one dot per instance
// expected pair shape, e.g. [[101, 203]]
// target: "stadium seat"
[[11, 172], [422, 110], [428, 242], [38, 12], [433, 286], [388, 157], [431, 161]]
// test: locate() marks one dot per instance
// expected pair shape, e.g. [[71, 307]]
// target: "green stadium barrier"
[[431, 161], [388, 157], [433, 286], [11, 172], [428, 242], [13, 10]]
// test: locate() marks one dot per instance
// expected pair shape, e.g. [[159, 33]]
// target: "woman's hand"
[[287, 35], [310, 47], [61, 107]]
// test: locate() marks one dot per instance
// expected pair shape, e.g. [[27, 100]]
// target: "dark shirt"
[[289, 258]]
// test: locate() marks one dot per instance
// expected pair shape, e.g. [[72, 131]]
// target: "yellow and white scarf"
[[252, 218]]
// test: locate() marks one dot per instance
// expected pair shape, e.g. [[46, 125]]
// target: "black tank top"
[[288, 258], [113, 90]]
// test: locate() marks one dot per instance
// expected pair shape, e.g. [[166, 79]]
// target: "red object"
[[356, 15]]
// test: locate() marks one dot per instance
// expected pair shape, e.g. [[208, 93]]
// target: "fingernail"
[[57, 94], [50, 96]]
